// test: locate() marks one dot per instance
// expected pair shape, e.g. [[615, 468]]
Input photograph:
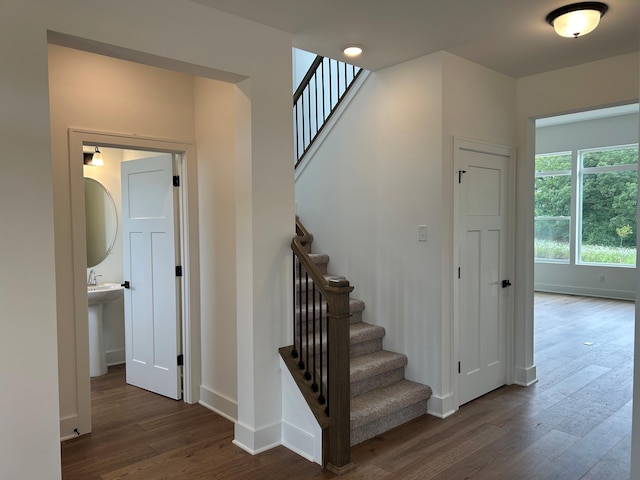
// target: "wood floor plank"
[[575, 423]]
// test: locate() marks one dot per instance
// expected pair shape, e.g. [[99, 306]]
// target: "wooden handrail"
[[302, 235], [335, 290]]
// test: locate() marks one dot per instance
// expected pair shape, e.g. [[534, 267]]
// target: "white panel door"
[[152, 310], [483, 249]]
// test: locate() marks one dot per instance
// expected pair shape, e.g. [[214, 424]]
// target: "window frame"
[[577, 173]]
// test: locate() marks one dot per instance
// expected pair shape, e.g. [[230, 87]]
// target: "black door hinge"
[[506, 283], [459, 368], [458, 272], [180, 360], [176, 180], [460, 172], [179, 271]]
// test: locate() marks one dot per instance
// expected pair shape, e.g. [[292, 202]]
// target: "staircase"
[[381, 398]]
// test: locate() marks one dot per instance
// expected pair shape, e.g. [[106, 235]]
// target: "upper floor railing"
[[320, 92]]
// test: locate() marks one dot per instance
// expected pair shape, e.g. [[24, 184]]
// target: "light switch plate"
[[422, 233]]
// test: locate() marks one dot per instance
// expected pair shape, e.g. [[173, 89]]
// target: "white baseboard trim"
[[525, 376], [441, 407], [585, 291], [223, 406], [115, 357], [67, 426], [255, 441]]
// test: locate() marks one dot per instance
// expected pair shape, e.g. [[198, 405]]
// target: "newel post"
[[339, 460]]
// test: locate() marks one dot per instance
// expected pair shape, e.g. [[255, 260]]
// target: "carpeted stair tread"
[[375, 363], [379, 403], [362, 332]]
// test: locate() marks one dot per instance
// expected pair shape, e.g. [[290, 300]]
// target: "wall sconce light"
[[577, 19], [94, 159], [353, 51]]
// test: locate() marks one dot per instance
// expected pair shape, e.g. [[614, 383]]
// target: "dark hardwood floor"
[[575, 423]]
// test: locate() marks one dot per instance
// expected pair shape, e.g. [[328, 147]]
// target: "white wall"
[[203, 41], [619, 282], [28, 371], [387, 167], [612, 81]]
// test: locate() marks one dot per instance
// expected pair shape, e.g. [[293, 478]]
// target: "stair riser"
[[381, 425], [363, 348], [367, 384], [363, 385], [356, 349]]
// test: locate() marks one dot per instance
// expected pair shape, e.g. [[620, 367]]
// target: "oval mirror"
[[101, 221]]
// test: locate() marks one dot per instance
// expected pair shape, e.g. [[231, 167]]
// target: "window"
[[599, 194], [553, 207], [608, 201]]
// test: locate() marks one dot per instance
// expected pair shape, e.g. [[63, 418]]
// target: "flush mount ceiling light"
[[352, 51], [577, 19]]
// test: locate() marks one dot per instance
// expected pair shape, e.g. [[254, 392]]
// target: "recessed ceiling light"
[[353, 51]]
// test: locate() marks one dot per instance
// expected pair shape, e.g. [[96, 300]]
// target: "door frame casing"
[[188, 227], [459, 144]]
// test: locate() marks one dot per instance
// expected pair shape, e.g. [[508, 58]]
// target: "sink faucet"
[[93, 278]]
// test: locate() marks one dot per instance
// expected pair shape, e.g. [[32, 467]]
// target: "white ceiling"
[[509, 36]]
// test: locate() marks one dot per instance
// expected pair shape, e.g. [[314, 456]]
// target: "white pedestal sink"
[[98, 296]]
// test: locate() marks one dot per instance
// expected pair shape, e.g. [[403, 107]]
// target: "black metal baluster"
[[330, 86], [324, 115], [314, 385], [307, 374], [297, 132], [315, 78], [300, 362], [306, 145], [328, 363], [294, 352], [321, 397]]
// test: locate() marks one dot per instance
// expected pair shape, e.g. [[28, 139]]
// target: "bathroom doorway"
[[115, 150]]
